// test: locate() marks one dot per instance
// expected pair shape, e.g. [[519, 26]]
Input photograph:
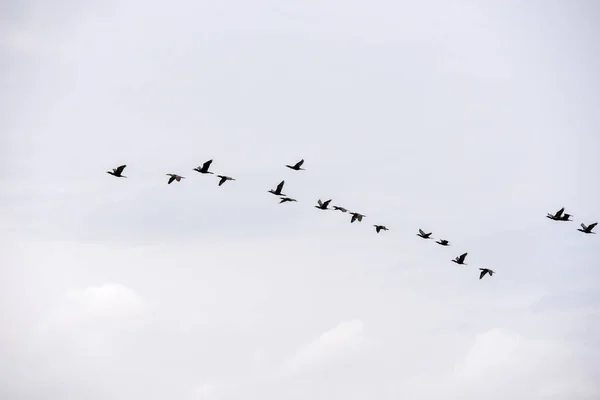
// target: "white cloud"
[[401, 110], [206, 391], [344, 338], [107, 302], [492, 350]]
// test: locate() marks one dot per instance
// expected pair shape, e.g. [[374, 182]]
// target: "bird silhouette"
[[296, 167], [323, 204], [460, 259], [379, 228], [338, 208], [588, 229], [424, 235], [565, 217], [224, 178], [204, 168], [485, 271], [443, 242], [277, 191], [558, 216], [286, 200], [356, 217], [118, 171], [174, 177]]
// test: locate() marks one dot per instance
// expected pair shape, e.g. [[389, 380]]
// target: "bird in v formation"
[[559, 215]]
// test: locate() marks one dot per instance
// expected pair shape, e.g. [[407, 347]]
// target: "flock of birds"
[[560, 215]]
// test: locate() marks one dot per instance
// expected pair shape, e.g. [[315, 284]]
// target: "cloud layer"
[[468, 121]]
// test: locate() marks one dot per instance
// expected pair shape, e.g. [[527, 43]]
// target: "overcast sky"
[[466, 119]]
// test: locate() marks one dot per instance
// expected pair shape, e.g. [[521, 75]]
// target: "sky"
[[468, 120]]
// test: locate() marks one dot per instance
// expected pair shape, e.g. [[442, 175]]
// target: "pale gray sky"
[[470, 120]]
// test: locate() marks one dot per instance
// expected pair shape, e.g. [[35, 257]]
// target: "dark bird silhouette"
[[296, 167], [224, 178], [424, 235], [277, 191], [565, 217], [204, 168], [338, 208], [286, 199], [356, 217], [118, 171], [588, 229], [485, 271], [323, 204], [443, 242], [558, 216], [460, 259], [174, 177], [379, 228]]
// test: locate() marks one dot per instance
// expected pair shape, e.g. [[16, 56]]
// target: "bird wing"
[[462, 257], [592, 226], [299, 164], [223, 179], [325, 204], [206, 165], [120, 169], [559, 213], [483, 272], [583, 226], [171, 179], [280, 186], [320, 203], [421, 231]]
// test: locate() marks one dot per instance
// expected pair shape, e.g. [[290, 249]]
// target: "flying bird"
[[424, 235], [558, 216], [323, 204], [174, 177], [296, 167], [118, 171], [224, 178], [277, 191], [204, 168], [485, 271], [338, 208], [460, 259], [356, 217], [379, 228], [443, 242], [588, 229], [286, 199], [565, 217]]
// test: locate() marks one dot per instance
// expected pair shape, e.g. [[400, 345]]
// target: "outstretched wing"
[[325, 204], [462, 257], [583, 226], [206, 165], [280, 186], [299, 164], [421, 231], [171, 179], [591, 226], [483, 272], [559, 213], [120, 169], [223, 180]]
